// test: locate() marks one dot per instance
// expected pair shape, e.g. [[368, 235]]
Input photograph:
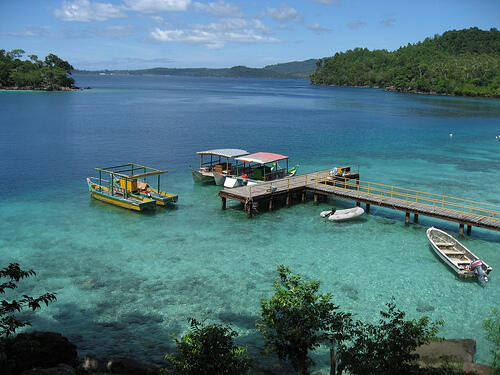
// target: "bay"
[[125, 282]]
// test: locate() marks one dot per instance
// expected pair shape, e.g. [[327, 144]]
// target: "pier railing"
[[324, 179]]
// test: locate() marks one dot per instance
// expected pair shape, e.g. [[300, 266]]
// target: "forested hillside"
[[464, 62], [49, 74], [297, 69]]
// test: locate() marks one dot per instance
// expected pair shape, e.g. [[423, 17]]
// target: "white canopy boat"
[[340, 215], [459, 258], [260, 166], [219, 166]]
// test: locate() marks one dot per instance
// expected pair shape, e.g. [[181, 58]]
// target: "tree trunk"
[[301, 367], [333, 362]]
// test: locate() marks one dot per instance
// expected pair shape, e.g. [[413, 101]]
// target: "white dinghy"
[[340, 215]]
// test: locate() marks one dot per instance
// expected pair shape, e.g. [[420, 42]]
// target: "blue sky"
[[129, 34]]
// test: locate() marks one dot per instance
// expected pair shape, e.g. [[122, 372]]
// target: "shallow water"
[[125, 281]]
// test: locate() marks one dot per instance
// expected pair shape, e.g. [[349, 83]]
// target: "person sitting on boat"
[[244, 176], [477, 267]]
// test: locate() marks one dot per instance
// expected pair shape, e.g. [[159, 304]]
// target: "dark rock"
[[129, 366], [41, 350], [61, 369], [478, 368], [452, 350]]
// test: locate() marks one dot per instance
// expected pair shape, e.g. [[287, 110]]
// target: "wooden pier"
[[323, 184]]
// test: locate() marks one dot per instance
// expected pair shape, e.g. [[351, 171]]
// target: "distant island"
[[458, 62], [290, 70], [34, 74]]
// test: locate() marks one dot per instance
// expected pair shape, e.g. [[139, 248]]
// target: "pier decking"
[[321, 183]]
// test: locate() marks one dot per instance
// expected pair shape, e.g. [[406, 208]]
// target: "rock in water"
[[129, 366], [41, 350], [62, 369]]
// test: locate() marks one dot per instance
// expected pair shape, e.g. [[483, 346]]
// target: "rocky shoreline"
[[29, 88], [50, 353], [410, 91]]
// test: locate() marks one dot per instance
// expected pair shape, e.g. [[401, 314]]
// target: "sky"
[[137, 34]]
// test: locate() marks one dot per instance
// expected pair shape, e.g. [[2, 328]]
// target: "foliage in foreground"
[[207, 350], [387, 347], [8, 321], [296, 319], [492, 327], [459, 62], [49, 74]]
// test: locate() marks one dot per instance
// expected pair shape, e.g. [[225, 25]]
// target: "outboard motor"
[[477, 267]]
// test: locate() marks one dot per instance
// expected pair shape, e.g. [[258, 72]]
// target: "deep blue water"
[[125, 282]]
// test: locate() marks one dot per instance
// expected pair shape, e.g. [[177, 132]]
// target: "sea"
[[128, 283]]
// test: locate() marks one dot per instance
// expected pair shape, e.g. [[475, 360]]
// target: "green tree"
[[8, 321], [296, 319], [387, 347], [207, 350], [463, 62], [492, 327]]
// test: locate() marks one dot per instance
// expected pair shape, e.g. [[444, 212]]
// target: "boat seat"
[[444, 243], [453, 252]]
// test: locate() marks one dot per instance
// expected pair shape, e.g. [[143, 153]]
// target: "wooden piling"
[[469, 229], [358, 204], [461, 230], [415, 218], [367, 207], [248, 209], [271, 204], [303, 197], [223, 203], [288, 200], [315, 198], [407, 218]]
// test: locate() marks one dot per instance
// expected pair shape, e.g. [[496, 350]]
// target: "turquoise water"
[[125, 282]]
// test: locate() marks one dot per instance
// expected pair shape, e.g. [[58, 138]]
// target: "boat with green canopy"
[[128, 187]]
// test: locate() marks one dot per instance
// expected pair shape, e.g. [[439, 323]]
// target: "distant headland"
[[51, 74], [459, 63], [289, 70]]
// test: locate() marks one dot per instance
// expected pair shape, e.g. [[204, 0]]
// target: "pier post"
[[315, 198], [248, 209], [288, 200], [469, 229], [303, 198], [367, 207], [415, 218], [223, 203], [358, 204], [407, 218], [271, 204], [461, 230]]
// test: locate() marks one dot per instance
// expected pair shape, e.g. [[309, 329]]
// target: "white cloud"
[[318, 29], [156, 6], [284, 14], [219, 9], [356, 24], [216, 35], [85, 11]]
